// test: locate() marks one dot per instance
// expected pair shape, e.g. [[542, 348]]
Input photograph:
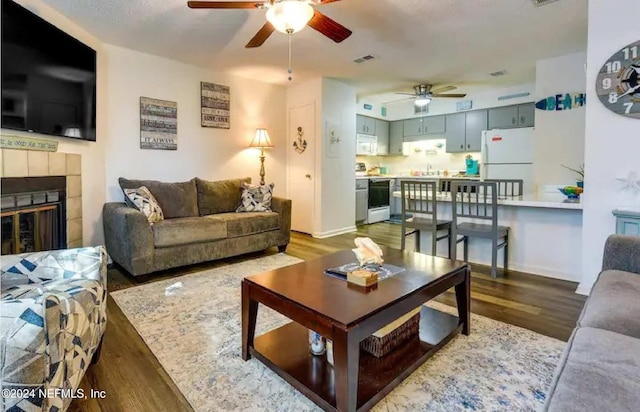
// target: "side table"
[[627, 222]]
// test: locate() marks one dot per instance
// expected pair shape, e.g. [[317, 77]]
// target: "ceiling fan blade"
[[326, 1], [224, 4], [455, 96], [398, 101], [443, 89], [262, 35], [407, 94], [329, 27]]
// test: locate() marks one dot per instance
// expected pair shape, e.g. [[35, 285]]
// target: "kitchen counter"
[[434, 177], [540, 200]]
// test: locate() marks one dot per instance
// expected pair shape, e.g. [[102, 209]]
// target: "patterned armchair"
[[52, 318]]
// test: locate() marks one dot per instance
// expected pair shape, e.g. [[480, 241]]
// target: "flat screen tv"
[[48, 77]]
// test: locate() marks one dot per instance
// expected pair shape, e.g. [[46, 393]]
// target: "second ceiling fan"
[[286, 16], [424, 93]]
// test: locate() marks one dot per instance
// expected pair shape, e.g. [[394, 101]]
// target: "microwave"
[[366, 145]]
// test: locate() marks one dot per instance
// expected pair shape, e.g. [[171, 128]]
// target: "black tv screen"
[[48, 77]]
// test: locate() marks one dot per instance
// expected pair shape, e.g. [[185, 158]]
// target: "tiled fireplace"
[[41, 189]]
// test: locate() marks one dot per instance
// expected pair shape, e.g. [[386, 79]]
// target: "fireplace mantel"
[[28, 163]]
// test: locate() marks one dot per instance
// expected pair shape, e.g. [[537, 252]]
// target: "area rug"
[[192, 325]]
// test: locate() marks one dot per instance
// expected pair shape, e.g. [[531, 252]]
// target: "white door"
[[300, 167]]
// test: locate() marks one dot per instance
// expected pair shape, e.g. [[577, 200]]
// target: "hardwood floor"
[[133, 379]]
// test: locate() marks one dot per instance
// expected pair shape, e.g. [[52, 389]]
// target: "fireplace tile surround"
[[28, 163]]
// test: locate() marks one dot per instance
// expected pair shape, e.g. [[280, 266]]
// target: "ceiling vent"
[[498, 73], [364, 58], [539, 3]]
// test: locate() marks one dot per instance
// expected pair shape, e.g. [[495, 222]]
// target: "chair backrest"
[[444, 185], [474, 199], [508, 187], [418, 197]]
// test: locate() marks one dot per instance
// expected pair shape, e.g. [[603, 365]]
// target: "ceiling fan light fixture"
[[290, 16], [422, 101]]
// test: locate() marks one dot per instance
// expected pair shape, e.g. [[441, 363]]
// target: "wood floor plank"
[[134, 380]]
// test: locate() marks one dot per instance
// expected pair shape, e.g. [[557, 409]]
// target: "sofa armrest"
[[129, 237], [622, 253], [283, 208]]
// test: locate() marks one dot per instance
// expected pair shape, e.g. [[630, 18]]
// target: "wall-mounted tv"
[[48, 77]]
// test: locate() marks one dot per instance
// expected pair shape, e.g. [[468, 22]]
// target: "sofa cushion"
[[176, 199], [599, 371], [613, 298], [219, 197], [142, 199], [248, 223], [187, 230]]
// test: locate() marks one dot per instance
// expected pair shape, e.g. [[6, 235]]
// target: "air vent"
[[364, 59], [498, 73], [539, 3]]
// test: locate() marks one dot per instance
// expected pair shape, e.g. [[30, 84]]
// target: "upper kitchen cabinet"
[[433, 125], [456, 132], [382, 132], [365, 125], [475, 124], [509, 117], [416, 129], [396, 137], [503, 117], [526, 114], [464, 131]]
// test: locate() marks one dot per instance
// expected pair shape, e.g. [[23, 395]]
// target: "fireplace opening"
[[33, 214]]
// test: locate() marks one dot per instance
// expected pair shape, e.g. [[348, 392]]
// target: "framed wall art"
[[158, 124], [215, 105]]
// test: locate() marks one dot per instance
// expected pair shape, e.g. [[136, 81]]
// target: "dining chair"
[[419, 199], [478, 201], [508, 187]]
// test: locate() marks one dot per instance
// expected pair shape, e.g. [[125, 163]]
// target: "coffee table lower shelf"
[[285, 350]]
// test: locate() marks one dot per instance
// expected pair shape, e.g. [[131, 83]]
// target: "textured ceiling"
[[437, 41]]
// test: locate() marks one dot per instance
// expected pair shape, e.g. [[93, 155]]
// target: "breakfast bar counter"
[[545, 234]]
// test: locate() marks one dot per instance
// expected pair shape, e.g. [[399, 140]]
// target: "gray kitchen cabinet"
[[362, 199], [382, 131], [396, 137], [413, 127], [433, 125], [456, 132], [365, 125], [526, 114], [503, 117], [475, 124]]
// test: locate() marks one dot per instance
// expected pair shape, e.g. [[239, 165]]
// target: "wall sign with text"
[[565, 101]]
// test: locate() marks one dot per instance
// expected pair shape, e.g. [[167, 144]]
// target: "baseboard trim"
[[336, 232], [583, 290]]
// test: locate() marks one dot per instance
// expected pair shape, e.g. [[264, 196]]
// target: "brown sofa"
[[200, 225]]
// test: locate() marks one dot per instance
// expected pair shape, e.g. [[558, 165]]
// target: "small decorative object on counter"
[[572, 193], [330, 352], [317, 345], [580, 172]]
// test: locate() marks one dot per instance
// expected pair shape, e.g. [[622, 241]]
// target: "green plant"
[[579, 171]]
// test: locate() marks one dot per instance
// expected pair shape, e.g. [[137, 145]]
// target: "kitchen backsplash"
[[419, 156]]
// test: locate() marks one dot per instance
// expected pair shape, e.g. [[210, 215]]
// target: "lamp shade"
[[261, 139], [422, 101], [290, 16]]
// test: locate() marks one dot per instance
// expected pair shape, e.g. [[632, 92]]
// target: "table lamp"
[[262, 141]]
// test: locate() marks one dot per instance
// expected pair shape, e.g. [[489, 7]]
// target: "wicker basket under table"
[[379, 347]]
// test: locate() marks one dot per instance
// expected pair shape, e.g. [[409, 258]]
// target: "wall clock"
[[618, 83]]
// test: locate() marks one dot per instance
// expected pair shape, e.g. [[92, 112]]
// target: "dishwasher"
[[362, 200]]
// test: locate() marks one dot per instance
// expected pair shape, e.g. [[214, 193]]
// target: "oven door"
[[379, 192]]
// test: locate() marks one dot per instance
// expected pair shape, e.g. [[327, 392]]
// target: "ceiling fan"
[[424, 93], [286, 16]]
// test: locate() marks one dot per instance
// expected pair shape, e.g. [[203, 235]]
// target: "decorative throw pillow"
[[255, 198], [142, 199]]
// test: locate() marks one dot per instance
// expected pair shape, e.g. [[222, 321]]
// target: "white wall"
[[338, 185], [482, 99], [93, 160], [612, 142], [211, 154], [123, 77], [559, 135]]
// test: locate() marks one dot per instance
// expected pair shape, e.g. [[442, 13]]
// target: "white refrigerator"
[[508, 154]]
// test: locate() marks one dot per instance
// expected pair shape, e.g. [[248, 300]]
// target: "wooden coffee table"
[[347, 314]]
